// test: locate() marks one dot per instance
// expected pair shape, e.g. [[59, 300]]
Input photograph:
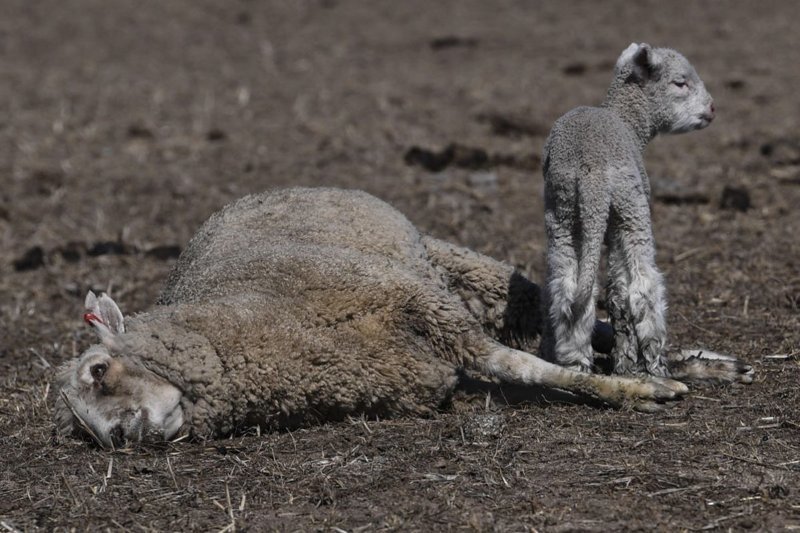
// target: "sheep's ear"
[[642, 60], [104, 316]]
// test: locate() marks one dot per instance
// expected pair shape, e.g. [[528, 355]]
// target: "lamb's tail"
[[594, 213]]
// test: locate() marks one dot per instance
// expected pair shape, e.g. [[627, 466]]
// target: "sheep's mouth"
[[133, 428], [138, 428]]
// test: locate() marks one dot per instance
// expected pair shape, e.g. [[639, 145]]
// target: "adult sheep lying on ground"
[[306, 305]]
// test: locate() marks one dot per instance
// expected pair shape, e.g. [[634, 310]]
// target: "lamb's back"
[[588, 139]]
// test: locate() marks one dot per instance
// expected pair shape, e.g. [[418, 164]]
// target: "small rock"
[[483, 180], [483, 426]]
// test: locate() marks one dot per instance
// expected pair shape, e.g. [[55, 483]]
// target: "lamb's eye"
[[680, 84], [98, 371]]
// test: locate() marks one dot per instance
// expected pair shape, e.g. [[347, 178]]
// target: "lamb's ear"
[[642, 60], [104, 316]]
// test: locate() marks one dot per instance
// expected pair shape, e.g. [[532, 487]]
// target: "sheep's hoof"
[[709, 367]]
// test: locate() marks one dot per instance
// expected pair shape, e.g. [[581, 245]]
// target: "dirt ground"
[[123, 125]]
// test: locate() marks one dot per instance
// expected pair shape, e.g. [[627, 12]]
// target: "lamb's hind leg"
[[625, 351], [574, 242], [514, 366], [634, 248]]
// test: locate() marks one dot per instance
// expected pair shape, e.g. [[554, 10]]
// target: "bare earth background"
[[123, 125]]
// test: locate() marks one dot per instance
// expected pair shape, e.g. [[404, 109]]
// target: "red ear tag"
[[91, 318]]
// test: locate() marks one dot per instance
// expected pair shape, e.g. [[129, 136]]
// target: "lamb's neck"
[[631, 104]]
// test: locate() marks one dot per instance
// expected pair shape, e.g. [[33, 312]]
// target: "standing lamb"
[[307, 305], [596, 189]]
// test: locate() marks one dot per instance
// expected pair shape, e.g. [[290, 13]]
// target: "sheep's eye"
[[680, 84], [98, 371]]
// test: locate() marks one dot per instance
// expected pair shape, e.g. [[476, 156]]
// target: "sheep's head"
[[109, 396], [677, 98]]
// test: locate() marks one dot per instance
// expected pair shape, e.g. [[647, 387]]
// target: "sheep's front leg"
[[644, 393], [707, 366]]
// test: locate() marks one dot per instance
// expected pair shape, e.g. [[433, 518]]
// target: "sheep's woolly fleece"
[[303, 305]]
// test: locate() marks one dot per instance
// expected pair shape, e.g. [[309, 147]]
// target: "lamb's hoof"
[[709, 367]]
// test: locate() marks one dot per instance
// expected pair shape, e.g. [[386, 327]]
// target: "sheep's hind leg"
[[507, 304], [641, 393], [709, 367]]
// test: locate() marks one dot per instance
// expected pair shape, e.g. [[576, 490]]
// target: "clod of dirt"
[[428, 159], [164, 252], [243, 18], [735, 84], [215, 134], [526, 162], [452, 41], [45, 181], [30, 260], [455, 154], [574, 69], [71, 252], [683, 198], [735, 198], [467, 157], [506, 125], [782, 151], [107, 248], [138, 131]]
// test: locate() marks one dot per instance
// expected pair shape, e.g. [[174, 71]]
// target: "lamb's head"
[[109, 396], [677, 99]]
